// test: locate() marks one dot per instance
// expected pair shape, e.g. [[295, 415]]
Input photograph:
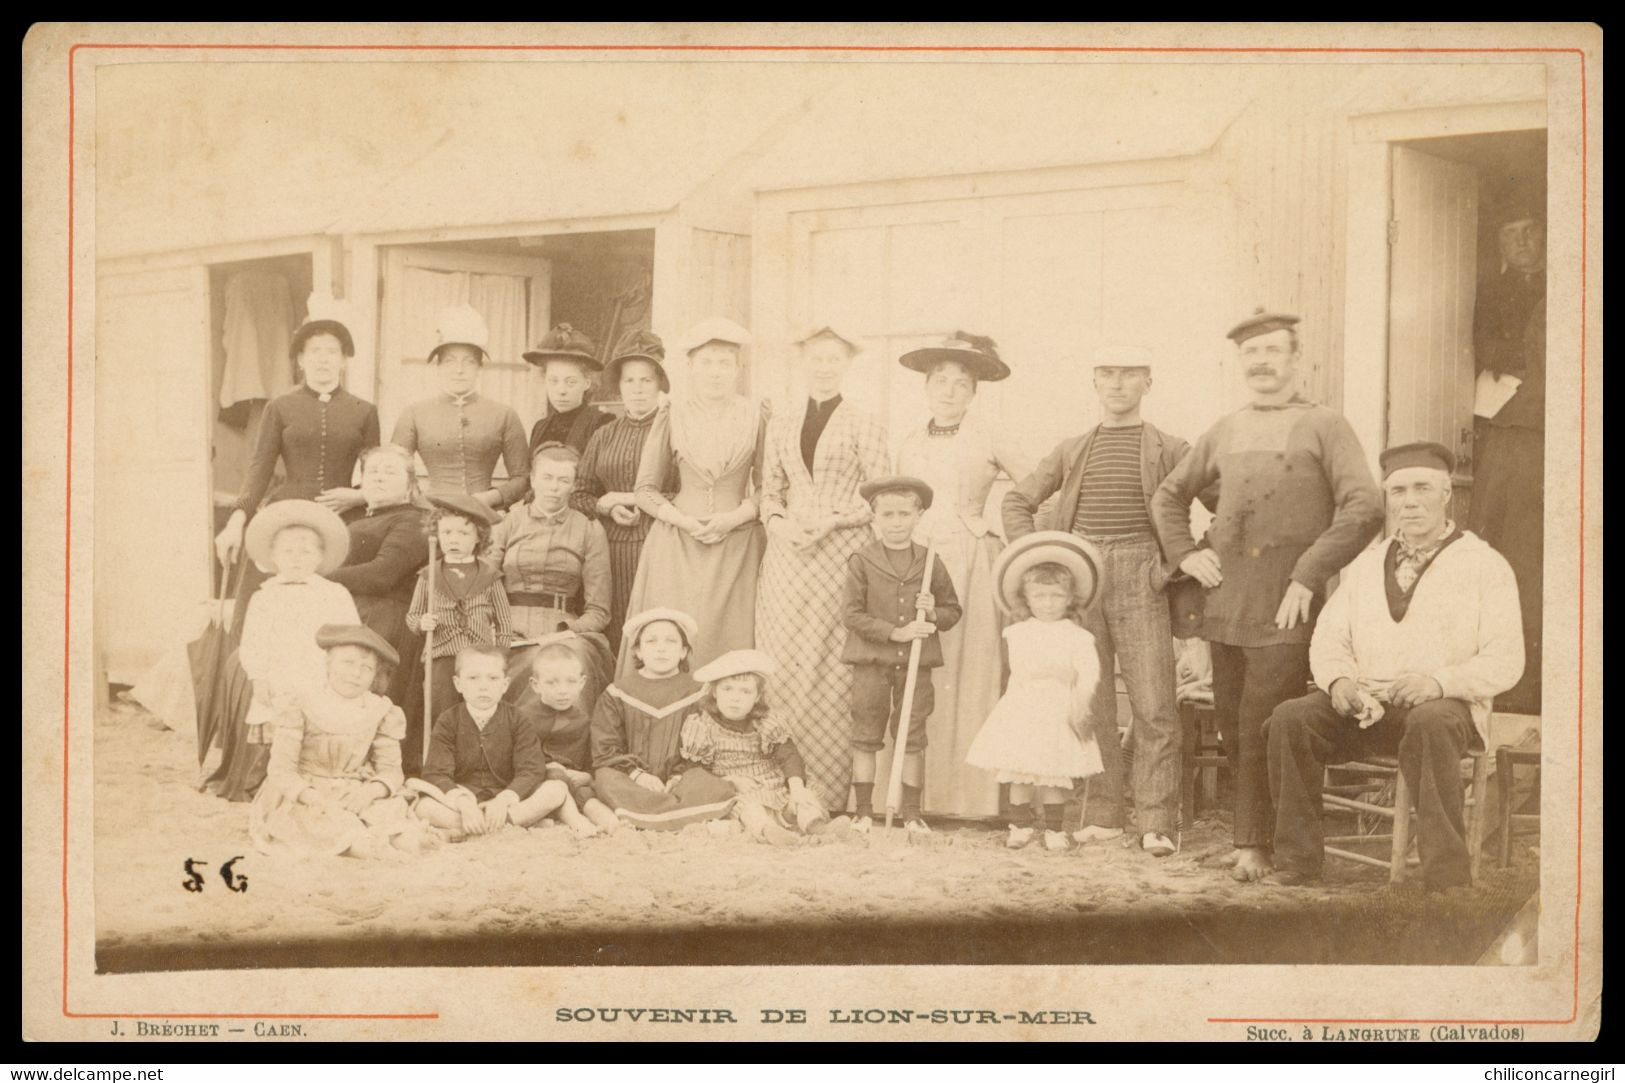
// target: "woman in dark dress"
[[317, 430], [608, 475], [568, 363], [389, 543]]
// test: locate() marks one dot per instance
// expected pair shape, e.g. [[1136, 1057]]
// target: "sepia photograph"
[[904, 521]]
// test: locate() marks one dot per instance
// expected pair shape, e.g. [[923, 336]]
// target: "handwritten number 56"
[[235, 881]]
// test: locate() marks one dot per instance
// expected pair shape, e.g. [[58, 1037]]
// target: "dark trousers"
[[1508, 511], [877, 706], [1305, 734], [1249, 683]]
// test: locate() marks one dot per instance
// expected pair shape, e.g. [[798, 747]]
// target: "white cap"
[[714, 329], [460, 325]]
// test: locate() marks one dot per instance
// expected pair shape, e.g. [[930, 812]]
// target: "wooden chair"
[[1508, 759], [1199, 755], [1341, 796]]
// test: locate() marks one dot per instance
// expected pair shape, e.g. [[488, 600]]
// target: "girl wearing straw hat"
[[1039, 738]]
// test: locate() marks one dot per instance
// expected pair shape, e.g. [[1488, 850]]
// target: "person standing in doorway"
[[1106, 479], [1296, 503], [1508, 498]]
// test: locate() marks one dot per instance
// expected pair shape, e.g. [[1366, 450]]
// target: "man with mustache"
[[1296, 503]]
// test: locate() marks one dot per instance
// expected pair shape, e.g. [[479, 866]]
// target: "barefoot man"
[[1296, 503]]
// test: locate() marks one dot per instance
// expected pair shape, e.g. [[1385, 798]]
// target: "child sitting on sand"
[[563, 725], [1039, 738], [485, 766], [637, 726], [735, 735], [334, 781]]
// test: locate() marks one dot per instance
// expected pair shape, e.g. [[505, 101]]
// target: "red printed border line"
[[67, 612]]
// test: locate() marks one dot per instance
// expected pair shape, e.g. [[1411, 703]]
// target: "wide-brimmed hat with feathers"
[[565, 343], [977, 353], [638, 346]]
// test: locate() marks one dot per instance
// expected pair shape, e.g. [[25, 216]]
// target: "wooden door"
[[153, 510], [512, 293], [1433, 240]]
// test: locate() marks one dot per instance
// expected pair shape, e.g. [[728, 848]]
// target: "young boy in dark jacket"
[[885, 593]]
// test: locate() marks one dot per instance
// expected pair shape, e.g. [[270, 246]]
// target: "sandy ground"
[[149, 818]]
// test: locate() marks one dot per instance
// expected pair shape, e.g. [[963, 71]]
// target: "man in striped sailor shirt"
[[1105, 480]]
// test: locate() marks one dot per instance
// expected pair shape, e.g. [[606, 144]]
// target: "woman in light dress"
[[960, 457], [704, 551]]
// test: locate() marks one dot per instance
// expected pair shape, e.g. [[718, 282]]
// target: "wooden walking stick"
[[894, 788], [428, 660]]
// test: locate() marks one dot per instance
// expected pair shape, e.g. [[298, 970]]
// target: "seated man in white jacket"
[[1423, 632]]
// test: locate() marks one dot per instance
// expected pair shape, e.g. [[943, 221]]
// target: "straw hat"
[[829, 332], [636, 624], [461, 325], [1048, 547], [734, 663], [714, 329], [264, 527], [976, 352]]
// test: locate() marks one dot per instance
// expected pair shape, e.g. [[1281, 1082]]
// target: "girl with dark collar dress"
[[459, 433]]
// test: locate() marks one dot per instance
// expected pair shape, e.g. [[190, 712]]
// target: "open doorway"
[[1467, 350], [255, 306], [599, 283]]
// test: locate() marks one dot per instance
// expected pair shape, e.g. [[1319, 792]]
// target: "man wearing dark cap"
[[1509, 341], [1105, 479], [1296, 503], [1422, 633]]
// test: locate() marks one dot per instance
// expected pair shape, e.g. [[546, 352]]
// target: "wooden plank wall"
[[1287, 167]]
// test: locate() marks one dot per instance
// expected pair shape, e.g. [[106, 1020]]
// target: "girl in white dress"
[[1038, 738]]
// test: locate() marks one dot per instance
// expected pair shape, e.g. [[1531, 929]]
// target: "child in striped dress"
[[470, 605], [734, 735]]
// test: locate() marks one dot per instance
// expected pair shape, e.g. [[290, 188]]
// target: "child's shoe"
[[1018, 837], [917, 826], [1096, 833], [862, 825], [1056, 840]]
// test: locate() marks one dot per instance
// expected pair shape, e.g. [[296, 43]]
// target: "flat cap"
[[1260, 323], [470, 508], [329, 636], [897, 483], [1422, 453]]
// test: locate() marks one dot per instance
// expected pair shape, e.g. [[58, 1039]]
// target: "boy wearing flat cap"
[[885, 590], [1422, 633], [1296, 503]]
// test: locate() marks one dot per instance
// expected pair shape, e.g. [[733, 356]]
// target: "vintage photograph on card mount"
[[531, 494]]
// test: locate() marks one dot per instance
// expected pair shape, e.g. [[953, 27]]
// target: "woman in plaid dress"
[[813, 462]]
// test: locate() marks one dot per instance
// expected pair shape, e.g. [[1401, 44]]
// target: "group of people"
[[697, 611]]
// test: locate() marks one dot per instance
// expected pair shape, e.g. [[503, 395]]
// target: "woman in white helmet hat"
[[704, 551], [459, 433]]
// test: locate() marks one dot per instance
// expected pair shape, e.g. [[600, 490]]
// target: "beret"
[[329, 636], [1260, 323], [1422, 453], [734, 663]]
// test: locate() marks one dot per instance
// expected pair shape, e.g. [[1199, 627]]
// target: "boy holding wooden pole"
[[887, 611]]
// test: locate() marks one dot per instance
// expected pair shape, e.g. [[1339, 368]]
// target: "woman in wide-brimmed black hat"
[[608, 474], [961, 457]]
